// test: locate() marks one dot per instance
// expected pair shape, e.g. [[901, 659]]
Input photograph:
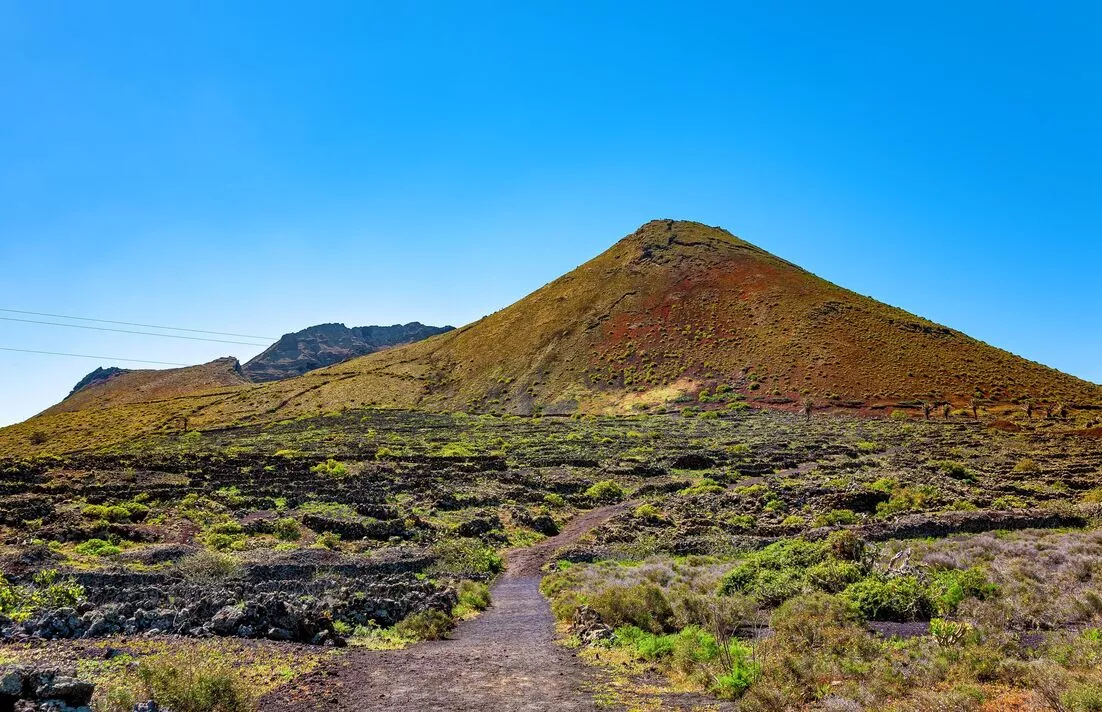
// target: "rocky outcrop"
[[302, 609], [31, 688], [939, 524], [381, 530], [327, 344], [100, 375]]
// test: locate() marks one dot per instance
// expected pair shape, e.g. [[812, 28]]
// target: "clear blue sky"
[[260, 167]]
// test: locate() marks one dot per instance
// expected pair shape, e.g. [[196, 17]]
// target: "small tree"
[[946, 411], [926, 408], [809, 405], [1028, 411], [974, 404]]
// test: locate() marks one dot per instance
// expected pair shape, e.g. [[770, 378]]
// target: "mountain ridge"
[[669, 314], [326, 344]]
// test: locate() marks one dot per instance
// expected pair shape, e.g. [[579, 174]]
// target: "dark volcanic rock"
[[301, 608], [33, 688], [938, 524], [327, 344], [100, 375]]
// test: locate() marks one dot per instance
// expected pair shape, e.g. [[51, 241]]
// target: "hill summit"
[[672, 311], [677, 307]]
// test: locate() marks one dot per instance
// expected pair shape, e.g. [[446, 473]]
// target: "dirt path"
[[505, 659]]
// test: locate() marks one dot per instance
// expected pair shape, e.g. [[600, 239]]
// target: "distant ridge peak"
[[100, 375], [327, 344]]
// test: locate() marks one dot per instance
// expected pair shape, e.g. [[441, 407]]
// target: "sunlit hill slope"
[[668, 311]]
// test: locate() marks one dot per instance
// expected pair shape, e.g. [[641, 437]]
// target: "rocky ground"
[[505, 659], [336, 529]]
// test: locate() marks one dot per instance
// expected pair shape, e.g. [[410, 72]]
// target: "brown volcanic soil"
[[674, 309], [147, 385], [505, 659]]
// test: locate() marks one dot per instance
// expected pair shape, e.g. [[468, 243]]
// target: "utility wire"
[[128, 331], [102, 358], [130, 323]]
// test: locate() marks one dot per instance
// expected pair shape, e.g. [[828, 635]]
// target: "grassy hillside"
[[673, 310], [149, 386]]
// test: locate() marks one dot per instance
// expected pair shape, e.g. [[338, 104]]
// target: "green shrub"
[[456, 449], [230, 496], [955, 470], [231, 528], [692, 648], [466, 557], [834, 517], [425, 625], [884, 484], [705, 485], [647, 512], [48, 591], [695, 654], [845, 544], [774, 586], [949, 588], [1083, 697], [127, 512], [330, 467], [833, 575], [647, 645], [97, 547], [208, 566], [744, 671], [950, 634], [1027, 464], [907, 499], [900, 598], [791, 567], [776, 572], [605, 491], [328, 540], [193, 682], [814, 622], [473, 596], [287, 529], [332, 510], [224, 536], [740, 521], [867, 446], [224, 542], [791, 552], [1009, 501], [555, 500], [643, 605], [735, 683]]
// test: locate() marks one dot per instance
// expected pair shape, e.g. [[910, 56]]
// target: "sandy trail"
[[505, 659]]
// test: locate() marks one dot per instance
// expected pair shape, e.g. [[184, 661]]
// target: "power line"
[[131, 323], [128, 331], [101, 358]]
